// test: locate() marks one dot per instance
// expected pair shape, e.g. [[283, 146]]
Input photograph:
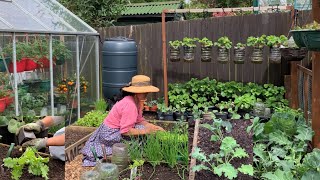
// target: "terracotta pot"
[[146, 108], [2, 105], [30, 64], [154, 108], [21, 66]]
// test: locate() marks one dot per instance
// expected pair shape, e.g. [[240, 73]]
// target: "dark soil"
[[150, 115], [162, 172], [56, 167], [75, 134], [239, 134]]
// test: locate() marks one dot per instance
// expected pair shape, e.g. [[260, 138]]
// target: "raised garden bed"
[[76, 137], [56, 167], [238, 133]]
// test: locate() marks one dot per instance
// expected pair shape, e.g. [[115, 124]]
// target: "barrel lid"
[[120, 38]]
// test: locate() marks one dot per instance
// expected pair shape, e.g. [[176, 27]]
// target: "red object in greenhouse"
[[9, 101], [2, 105], [21, 66], [30, 64], [43, 63]]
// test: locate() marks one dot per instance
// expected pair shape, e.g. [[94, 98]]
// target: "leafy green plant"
[[29, 101], [240, 46], [275, 41], [37, 165], [101, 105], [175, 44], [244, 102], [257, 42], [93, 118], [311, 26], [60, 51], [205, 42], [220, 163], [223, 42], [189, 42], [216, 129]]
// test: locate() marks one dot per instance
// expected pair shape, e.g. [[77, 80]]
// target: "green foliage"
[[240, 46], [205, 42], [275, 41], [285, 122], [257, 42], [93, 118], [14, 125], [223, 42], [152, 149], [189, 42], [311, 26], [3, 120], [30, 101], [97, 13], [216, 129], [245, 102], [175, 44], [101, 105], [37, 165], [219, 163]]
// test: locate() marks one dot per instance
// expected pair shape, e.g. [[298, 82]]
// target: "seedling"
[[216, 130], [223, 42]]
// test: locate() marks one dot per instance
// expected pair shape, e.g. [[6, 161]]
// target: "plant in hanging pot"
[[291, 52], [206, 47], [258, 44], [224, 45], [189, 45], [274, 42], [239, 53], [20, 52], [60, 52], [41, 52], [175, 50], [311, 36]]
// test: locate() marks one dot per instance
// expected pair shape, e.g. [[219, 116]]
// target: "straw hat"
[[140, 84]]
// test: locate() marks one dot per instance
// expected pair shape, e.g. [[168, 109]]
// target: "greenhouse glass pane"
[[66, 15], [46, 17], [17, 18], [302, 4], [3, 25]]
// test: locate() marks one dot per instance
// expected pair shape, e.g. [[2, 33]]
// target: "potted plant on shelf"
[[153, 105], [206, 47], [4, 61], [258, 44], [3, 104], [274, 42], [60, 52], [221, 114], [175, 50], [165, 112], [291, 52], [239, 53], [224, 45], [189, 45], [41, 51], [20, 53], [146, 106]]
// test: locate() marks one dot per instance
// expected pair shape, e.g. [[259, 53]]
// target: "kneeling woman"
[[125, 118]]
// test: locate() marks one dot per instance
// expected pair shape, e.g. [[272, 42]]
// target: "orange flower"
[[70, 83], [65, 89]]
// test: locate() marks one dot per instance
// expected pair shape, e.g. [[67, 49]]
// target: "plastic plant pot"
[[257, 56], [206, 54], [239, 56], [2, 65], [275, 55], [311, 39], [189, 54], [223, 55], [108, 171], [174, 54], [297, 36], [25, 136], [7, 137], [120, 156], [90, 175], [221, 115], [168, 116]]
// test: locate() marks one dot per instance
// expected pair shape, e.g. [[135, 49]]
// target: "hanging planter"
[[223, 44], [239, 53], [21, 66], [257, 43], [189, 45], [312, 40], [30, 64], [60, 52], [174, 50], [293, 54], [206, 47], [274, 42], [3, 105], [297, 36]]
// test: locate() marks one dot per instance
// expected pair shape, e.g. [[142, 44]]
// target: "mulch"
[[239, 134], [56, 167]]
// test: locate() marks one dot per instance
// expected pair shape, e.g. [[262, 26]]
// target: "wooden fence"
[[237, 28]]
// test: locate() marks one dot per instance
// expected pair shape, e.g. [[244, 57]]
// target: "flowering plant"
[[67, 87]]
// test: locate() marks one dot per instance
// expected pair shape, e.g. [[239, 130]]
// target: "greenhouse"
[[48, 57]]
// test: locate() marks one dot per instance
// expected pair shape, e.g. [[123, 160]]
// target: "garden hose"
[[10, 150]]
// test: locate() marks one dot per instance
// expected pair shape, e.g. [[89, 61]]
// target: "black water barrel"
[[119, 64]]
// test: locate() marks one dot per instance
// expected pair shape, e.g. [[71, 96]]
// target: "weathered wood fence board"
[[237, 28]]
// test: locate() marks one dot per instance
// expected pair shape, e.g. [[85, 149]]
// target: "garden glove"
[[36, 127], [38, 143]]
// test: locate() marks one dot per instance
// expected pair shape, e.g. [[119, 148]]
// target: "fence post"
[[316, 83], [294, 100]]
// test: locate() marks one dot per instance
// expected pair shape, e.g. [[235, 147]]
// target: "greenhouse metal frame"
[[46, 17]]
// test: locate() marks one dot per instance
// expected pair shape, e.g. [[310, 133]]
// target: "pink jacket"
[[124, 115]]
